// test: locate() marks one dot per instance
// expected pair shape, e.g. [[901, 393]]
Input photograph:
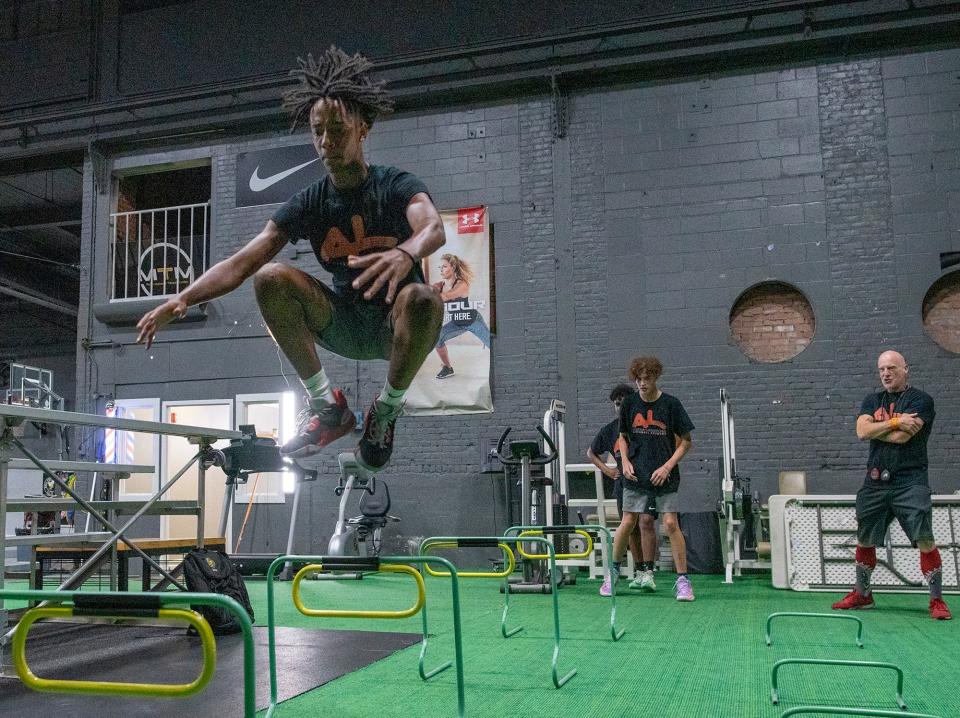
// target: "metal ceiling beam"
[[42, 216], [745, 34], [40, 161], [13, 289]]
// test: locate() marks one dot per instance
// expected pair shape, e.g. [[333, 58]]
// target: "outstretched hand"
[[151, 322], [381, 268]]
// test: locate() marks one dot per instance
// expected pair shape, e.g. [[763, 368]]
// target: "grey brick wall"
[[841, 180], [857, 181], [922, 108]]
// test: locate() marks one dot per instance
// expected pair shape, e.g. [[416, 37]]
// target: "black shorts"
[[877, 506], [358, 329]]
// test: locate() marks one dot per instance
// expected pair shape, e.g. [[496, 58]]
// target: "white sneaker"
[[647, 583]]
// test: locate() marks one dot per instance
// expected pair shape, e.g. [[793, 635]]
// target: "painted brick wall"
[[922, 106], [461, 169], [840, 180]]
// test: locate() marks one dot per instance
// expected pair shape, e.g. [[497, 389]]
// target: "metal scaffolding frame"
[[12, 417]]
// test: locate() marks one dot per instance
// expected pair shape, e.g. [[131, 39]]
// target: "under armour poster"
[[455, 378]]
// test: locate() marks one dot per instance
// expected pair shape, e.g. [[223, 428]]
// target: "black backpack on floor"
[[210, 571]]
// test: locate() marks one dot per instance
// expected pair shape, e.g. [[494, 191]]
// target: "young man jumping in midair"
[[369, 226]]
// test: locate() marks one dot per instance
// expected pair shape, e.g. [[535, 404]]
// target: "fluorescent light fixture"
[[288, 429]]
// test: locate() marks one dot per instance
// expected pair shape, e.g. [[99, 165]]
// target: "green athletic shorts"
[[878, 506], [359, 329]]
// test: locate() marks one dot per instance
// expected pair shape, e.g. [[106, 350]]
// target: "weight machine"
[[742, 523]]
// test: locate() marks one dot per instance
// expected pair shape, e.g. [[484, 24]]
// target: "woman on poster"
[[454, 287]]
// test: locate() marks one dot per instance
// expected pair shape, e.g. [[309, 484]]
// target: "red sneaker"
[[317, 430], [939, 610], [854, 601]]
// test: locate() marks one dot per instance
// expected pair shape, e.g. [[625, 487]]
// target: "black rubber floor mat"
[[305, 659]]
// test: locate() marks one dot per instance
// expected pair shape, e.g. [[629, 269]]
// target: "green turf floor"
[[706, 659], [681, 660]]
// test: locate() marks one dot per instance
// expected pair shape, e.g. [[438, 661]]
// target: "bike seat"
[[371, 523], [375, 505]]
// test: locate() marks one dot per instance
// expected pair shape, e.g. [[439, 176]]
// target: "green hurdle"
[[128, 606], [494, 542], [840, 710], [832, 616], [615, 634], [392, 564], [774, 694]]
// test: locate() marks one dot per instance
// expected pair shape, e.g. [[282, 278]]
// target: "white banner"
[[455, 378]]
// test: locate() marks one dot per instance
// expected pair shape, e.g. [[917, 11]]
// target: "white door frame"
[[164, 406]]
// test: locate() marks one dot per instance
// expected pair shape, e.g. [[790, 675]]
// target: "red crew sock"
[[868, 556], [866, 562], [930, 567]]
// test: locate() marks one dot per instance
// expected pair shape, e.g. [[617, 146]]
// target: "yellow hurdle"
[[339, 613], [114, 688], [542, 556], [508, 561]]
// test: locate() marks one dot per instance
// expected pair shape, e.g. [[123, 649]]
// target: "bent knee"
[[272, 276], [420, 299], [670, 524]]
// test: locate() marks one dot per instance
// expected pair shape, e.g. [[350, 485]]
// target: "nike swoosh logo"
[[258, 183]]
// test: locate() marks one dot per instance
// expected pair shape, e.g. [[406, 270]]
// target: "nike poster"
[[455, 378], [273, 176]]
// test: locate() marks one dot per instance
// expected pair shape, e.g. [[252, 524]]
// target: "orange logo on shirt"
[[640, 422], [336, 245], [884, 414]]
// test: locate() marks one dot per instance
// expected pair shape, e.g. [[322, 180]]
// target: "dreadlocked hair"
[[338, 76]]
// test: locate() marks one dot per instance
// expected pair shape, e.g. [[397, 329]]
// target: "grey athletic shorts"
[[637, 502], [878, 506], [358, 329]]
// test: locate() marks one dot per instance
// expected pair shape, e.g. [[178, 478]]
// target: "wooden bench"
[[151, 546]]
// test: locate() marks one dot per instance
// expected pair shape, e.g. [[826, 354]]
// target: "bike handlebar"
[[511, 460]]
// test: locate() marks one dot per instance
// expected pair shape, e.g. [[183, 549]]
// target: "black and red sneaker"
[[318, 429], [376, 444]]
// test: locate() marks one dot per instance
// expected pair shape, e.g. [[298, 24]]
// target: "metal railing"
[[158, 252]]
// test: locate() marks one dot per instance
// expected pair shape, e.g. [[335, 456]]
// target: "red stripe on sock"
[[868, 556], [929, 561]]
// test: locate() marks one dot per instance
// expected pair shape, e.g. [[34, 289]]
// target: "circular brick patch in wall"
[[941, 312], [772, 322]]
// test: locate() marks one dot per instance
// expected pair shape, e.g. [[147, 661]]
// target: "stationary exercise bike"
[[359, 535], [527, 454]]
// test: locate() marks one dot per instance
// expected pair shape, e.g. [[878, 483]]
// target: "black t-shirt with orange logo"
[[652, 431], [607, 441], [907, 463], [339, 223]]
